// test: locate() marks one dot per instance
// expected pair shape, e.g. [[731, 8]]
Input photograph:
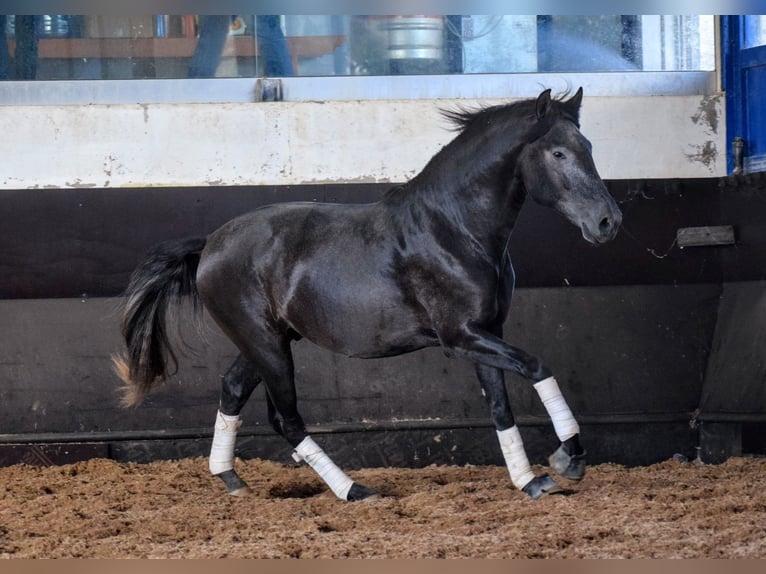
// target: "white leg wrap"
[[315, 457], [562, 418], [225, 435], [515, 456]]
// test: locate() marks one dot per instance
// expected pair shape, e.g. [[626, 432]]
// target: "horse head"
[[558, 171]]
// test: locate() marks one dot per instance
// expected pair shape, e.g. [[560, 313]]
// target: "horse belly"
[[387, 334], [358, 321]]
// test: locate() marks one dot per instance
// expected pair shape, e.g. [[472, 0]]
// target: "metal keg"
[[414, 37], [53, 26], [46, 26]]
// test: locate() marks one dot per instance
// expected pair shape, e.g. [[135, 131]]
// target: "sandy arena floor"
[[105, 509]]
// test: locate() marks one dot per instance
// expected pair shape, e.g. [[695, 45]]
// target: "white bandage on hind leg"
[[225, 435], [515, 457], [562, 418], [311, 453]]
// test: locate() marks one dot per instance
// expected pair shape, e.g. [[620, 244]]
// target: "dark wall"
[[639, 333], [625, 356], [74, 242], [734, 381]]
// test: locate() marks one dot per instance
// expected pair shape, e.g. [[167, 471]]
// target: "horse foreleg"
[[490, 350], [238, 384], [493, 387], [569, 459]]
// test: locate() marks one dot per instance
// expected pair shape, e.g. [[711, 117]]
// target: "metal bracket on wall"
[[739, 148], [268, 90], [705, 236]]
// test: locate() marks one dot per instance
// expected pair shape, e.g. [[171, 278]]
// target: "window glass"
[[755, 31], [72, 47]]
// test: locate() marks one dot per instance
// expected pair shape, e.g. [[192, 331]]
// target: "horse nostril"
[[605, 225]]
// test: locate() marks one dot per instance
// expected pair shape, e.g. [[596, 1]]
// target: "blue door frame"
[[744, 80]]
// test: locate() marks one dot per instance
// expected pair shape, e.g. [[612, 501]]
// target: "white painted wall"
[[315, 142]]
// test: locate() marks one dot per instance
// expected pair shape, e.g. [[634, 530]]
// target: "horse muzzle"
[[602, 229]]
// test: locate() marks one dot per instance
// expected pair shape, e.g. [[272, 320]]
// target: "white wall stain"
[[707, 117], [706, 154], [708, 112]]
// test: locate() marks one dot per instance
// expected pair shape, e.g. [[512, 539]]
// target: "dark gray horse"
[[427, 265]]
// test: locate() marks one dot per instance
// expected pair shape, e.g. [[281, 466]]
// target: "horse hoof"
[[245, 491], [541, 485], [235, 486], [359, 492], [571, 467]]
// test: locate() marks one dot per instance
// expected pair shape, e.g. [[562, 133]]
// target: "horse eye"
[[558, 155]]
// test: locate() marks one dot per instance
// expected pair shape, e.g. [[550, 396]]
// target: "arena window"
[[60, 59]]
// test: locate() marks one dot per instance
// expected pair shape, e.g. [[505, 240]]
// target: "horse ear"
[[576, 100], [543, 104]]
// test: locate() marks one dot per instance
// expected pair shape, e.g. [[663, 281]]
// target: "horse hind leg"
[[290, 424], [238, 384], [339, 482], [274, 361]]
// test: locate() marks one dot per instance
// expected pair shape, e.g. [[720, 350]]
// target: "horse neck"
[[475, 183]]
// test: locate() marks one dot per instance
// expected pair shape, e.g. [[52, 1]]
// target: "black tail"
[[156, 286]]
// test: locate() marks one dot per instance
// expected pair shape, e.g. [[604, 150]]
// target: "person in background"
[[213, 31], [23, 64]]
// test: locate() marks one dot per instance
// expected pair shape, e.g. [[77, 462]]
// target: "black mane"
[[462, 117], [509, 126]]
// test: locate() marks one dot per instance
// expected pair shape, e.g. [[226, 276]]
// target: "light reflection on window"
[[71, 47]]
